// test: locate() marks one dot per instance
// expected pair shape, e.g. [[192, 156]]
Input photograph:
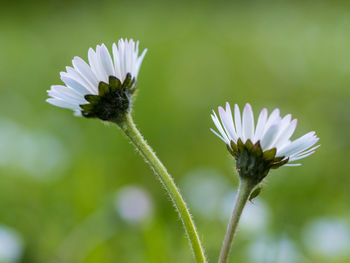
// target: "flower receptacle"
[[113, 101], [252, 162]]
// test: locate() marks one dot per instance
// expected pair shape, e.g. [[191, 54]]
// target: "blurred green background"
[[74, 190]]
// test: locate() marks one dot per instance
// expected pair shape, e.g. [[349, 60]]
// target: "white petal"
[[85, 70], [121, 48], [117, 65], [219, 127], [72, 83], [299, 145], [218, 135], [230, 121], [129, 46], [61, 96], [260, 125], [226, 119], [292, 159], [73, 74], [312, 149], [248, 122], [286, 134], [62, 104], [139, 62], [238, 122], [303, 147], [275, 115], [106, 61], [77, 113], [100, 65], [292, 164], [126, 59], [68, 90], [96, 66], [269, 136], [283, 125], [66, 94]]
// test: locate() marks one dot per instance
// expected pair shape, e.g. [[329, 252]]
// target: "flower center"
[[252, 162], [113, 100]]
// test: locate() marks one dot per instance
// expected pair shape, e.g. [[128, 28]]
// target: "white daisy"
[[270, 132], [85, 79]]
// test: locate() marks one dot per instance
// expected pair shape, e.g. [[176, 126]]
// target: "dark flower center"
[[252, 162], [113, 100]]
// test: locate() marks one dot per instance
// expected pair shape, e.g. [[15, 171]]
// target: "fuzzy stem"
[[150, 157], [244, 190]]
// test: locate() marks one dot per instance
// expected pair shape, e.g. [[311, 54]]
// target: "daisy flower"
[[258, 148], [102, 88]]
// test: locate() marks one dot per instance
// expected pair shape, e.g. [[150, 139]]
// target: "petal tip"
[[248, 106], [221, 109]]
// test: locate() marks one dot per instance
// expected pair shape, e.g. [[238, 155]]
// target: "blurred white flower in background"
[[36, 153], [134, 204], [327, 237], [11, 245], [268, 250], [205, 190], [210, 195], [255, 215]]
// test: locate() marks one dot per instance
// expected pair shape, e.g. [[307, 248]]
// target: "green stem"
[[145, 150], [244, 190]]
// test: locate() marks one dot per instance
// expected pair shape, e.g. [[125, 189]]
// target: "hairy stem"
[[244, 190], [150, 157]]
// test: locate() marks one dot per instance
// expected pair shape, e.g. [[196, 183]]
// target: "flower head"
[[258, 148], [104, 87]]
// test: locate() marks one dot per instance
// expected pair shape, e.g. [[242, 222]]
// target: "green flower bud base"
[[252, 162], [113, 100]]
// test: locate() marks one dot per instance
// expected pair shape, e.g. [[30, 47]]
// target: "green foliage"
[[290, 55]]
